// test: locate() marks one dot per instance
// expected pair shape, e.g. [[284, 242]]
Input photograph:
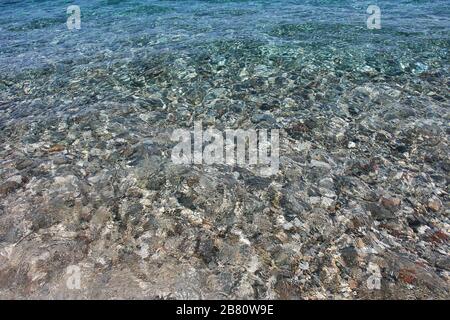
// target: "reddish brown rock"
[[407, 276], [390, 202], [56, 148], [434, 204]]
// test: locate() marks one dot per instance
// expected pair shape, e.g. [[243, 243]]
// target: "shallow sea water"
[[86, 176]]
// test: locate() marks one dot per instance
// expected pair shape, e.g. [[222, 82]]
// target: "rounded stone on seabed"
[[390, 202], [434, 204]]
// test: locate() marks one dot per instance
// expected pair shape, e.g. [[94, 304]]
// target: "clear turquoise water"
[[288, 55], [414, 34], [245, 53]]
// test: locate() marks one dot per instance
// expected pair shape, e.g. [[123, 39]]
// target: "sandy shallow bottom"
[[86, 177]]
